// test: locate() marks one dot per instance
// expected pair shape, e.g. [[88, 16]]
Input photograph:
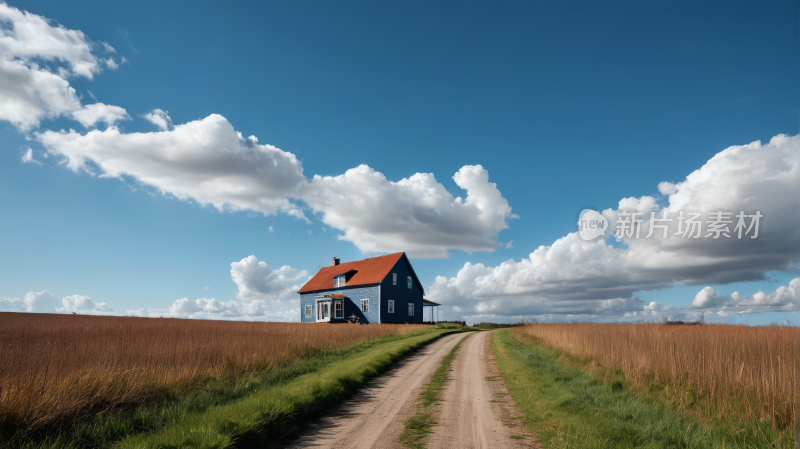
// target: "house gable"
[[417, 283], [400, 295]]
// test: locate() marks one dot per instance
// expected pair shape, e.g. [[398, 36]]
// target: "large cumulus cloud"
[[208, 161], [204, 160], [417, 214], [571, 276]]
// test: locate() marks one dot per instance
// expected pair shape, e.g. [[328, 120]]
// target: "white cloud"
[[560, 278], [206, 288], [47, 302], [271, 229], [36, 59], [510, 244], [27, 157], [265, 294], [159, 118], [205, 160], [212, 309], [256, 279], [11, 305], [83, 304], [667, 188], [708, 297], [208, 161], [783, 299], [417, 214], [42, 301], [91, 114]]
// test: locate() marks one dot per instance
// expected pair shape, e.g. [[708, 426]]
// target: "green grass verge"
[[419, 426], [268, 415], [106, 429], [566, 407]]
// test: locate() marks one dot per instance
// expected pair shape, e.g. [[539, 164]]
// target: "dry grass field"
[[744, 370], [58, 368]]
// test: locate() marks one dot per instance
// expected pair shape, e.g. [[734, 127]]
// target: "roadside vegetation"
[[461, 325], [420, 424], [717, 369], [484, 325], [574, 401], [85, 381]]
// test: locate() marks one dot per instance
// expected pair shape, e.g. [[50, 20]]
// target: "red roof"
[[368, 271]]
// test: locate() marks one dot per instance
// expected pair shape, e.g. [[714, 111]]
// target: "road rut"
[[475, 410], [373, 418]]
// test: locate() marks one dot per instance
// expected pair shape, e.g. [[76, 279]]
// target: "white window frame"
[[391, 306], [394, 278], [338, 309], [411, 309], [339, 281], [410, 282], [309, 312], [365, 305]]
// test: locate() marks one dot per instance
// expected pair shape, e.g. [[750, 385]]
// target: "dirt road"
[[475, 412]]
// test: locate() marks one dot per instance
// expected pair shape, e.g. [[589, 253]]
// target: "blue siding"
[[401, 295], [352, 303]]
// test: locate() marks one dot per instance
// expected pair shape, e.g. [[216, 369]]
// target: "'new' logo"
[[591, 224]]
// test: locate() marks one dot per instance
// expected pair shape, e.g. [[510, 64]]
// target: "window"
[[338, 307], [338, 281], [394, 278], [308, 311], [410, 309], [365, 305], [409, 282], [391, 306]]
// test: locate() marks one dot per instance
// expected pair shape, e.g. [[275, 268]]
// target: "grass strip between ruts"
[[420, 424], [266, 416], [566, 407]]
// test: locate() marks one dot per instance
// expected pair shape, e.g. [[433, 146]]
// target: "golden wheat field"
[[58, 367], [747, 370]]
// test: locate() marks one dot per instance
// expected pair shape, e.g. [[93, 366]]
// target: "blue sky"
[[565, 105]]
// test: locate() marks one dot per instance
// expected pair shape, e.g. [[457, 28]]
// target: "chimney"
[[335, 261]]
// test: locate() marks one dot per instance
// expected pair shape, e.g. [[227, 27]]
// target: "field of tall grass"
[[746, 371], [56, 369]]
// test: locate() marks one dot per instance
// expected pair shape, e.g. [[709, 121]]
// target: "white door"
[[323, 311]]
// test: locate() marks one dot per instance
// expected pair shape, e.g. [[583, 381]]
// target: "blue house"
[[381, 289]]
